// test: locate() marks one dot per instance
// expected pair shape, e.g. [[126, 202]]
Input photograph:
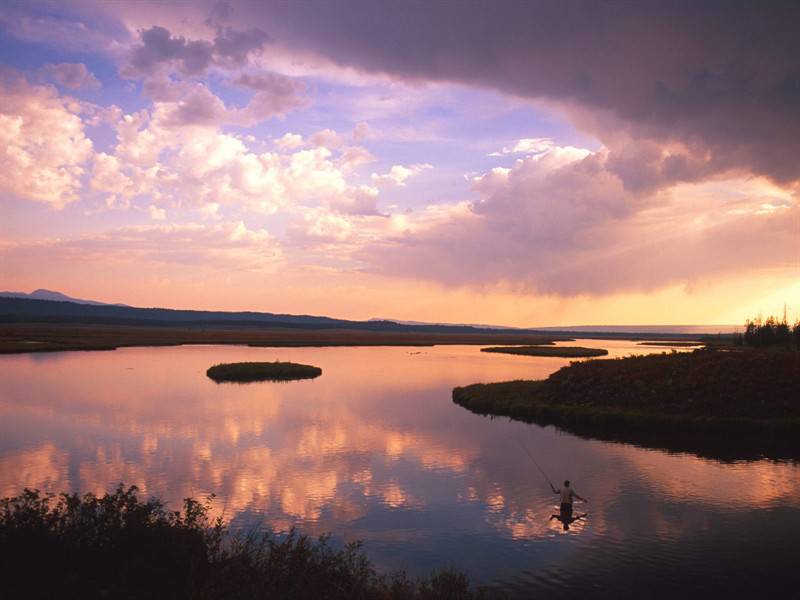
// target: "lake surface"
[[375, 450]]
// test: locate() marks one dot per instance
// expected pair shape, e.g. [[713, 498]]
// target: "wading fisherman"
[[568, 496]]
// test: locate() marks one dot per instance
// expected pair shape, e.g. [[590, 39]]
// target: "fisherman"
[[568, 496], [567, 520]]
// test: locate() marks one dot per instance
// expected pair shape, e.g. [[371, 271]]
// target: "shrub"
[[121, 546]]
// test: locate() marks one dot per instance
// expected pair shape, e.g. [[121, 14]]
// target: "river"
[[375, 450]]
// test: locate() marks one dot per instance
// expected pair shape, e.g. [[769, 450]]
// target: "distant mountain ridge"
[[23, 308], [43, 294], [49, 306]]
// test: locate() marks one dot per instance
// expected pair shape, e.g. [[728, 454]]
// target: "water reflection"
[[375, 450]]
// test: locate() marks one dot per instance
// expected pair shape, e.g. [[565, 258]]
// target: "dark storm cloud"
[[231, 48], [722, 79]]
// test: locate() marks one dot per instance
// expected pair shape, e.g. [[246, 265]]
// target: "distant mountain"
[[54, 307], [24, 308], [481, 326], [42, 294]]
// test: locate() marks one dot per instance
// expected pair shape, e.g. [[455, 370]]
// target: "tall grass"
[[122, 546]]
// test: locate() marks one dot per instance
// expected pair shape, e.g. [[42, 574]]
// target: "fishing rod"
[[552, 487]]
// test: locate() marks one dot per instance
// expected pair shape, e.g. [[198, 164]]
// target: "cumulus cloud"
[[196, 166], [274, 95], [71, 75], [289, 141], [192, 103], [398, 174], [327, 138], [353, 157], [43, 147]]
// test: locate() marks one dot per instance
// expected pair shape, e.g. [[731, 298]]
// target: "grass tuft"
[[555, 351]]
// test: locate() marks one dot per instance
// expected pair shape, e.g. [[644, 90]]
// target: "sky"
[[514, 163]]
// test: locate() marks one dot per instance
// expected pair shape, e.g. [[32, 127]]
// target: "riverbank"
[[123, 546], [680, 401]]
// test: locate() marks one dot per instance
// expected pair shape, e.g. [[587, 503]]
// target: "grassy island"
[[680, 401], [555, 351], [123, 546], [244, 372], [672, 344]]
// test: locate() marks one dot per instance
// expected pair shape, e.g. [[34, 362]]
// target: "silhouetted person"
[[567, 520], [568, 496]]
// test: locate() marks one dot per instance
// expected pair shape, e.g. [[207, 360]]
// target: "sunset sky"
[[514, 163]]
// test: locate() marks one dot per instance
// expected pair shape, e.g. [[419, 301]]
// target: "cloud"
[[398, 174], [43, 147], [233, 48], [361, 131], [721, 79], [354, 156], [327, 138], [159, 48], [527, 146], [157, 214], [188, 163], [192, 103], [289, 141], [72, 75], [218, 247], [562, 222]]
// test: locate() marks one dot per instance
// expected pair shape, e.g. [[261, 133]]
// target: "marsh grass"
[[122, 546], [672, 344], [662, 397], [554, 351], [245, 372]]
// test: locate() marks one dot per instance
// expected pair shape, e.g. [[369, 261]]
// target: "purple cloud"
[[230, 48], [72, 75]]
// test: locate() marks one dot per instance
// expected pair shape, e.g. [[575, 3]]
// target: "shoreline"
[[657, 401]]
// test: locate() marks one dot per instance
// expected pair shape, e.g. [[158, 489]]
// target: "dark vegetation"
[[262, 371], [44, 337], [30, 325], [556, 351], [680, 401], [671, 344], [124, 547], [770, 333]]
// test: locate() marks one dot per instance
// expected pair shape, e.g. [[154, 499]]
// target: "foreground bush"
[[121, 546]]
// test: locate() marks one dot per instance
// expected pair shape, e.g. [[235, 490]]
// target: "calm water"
[[375, 450]]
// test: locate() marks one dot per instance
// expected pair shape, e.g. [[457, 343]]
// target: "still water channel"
[[375, 450]]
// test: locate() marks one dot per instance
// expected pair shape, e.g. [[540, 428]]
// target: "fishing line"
[[519, 441]]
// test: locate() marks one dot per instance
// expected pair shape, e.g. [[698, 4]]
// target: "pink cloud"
[[217, 247], [43, 147]]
